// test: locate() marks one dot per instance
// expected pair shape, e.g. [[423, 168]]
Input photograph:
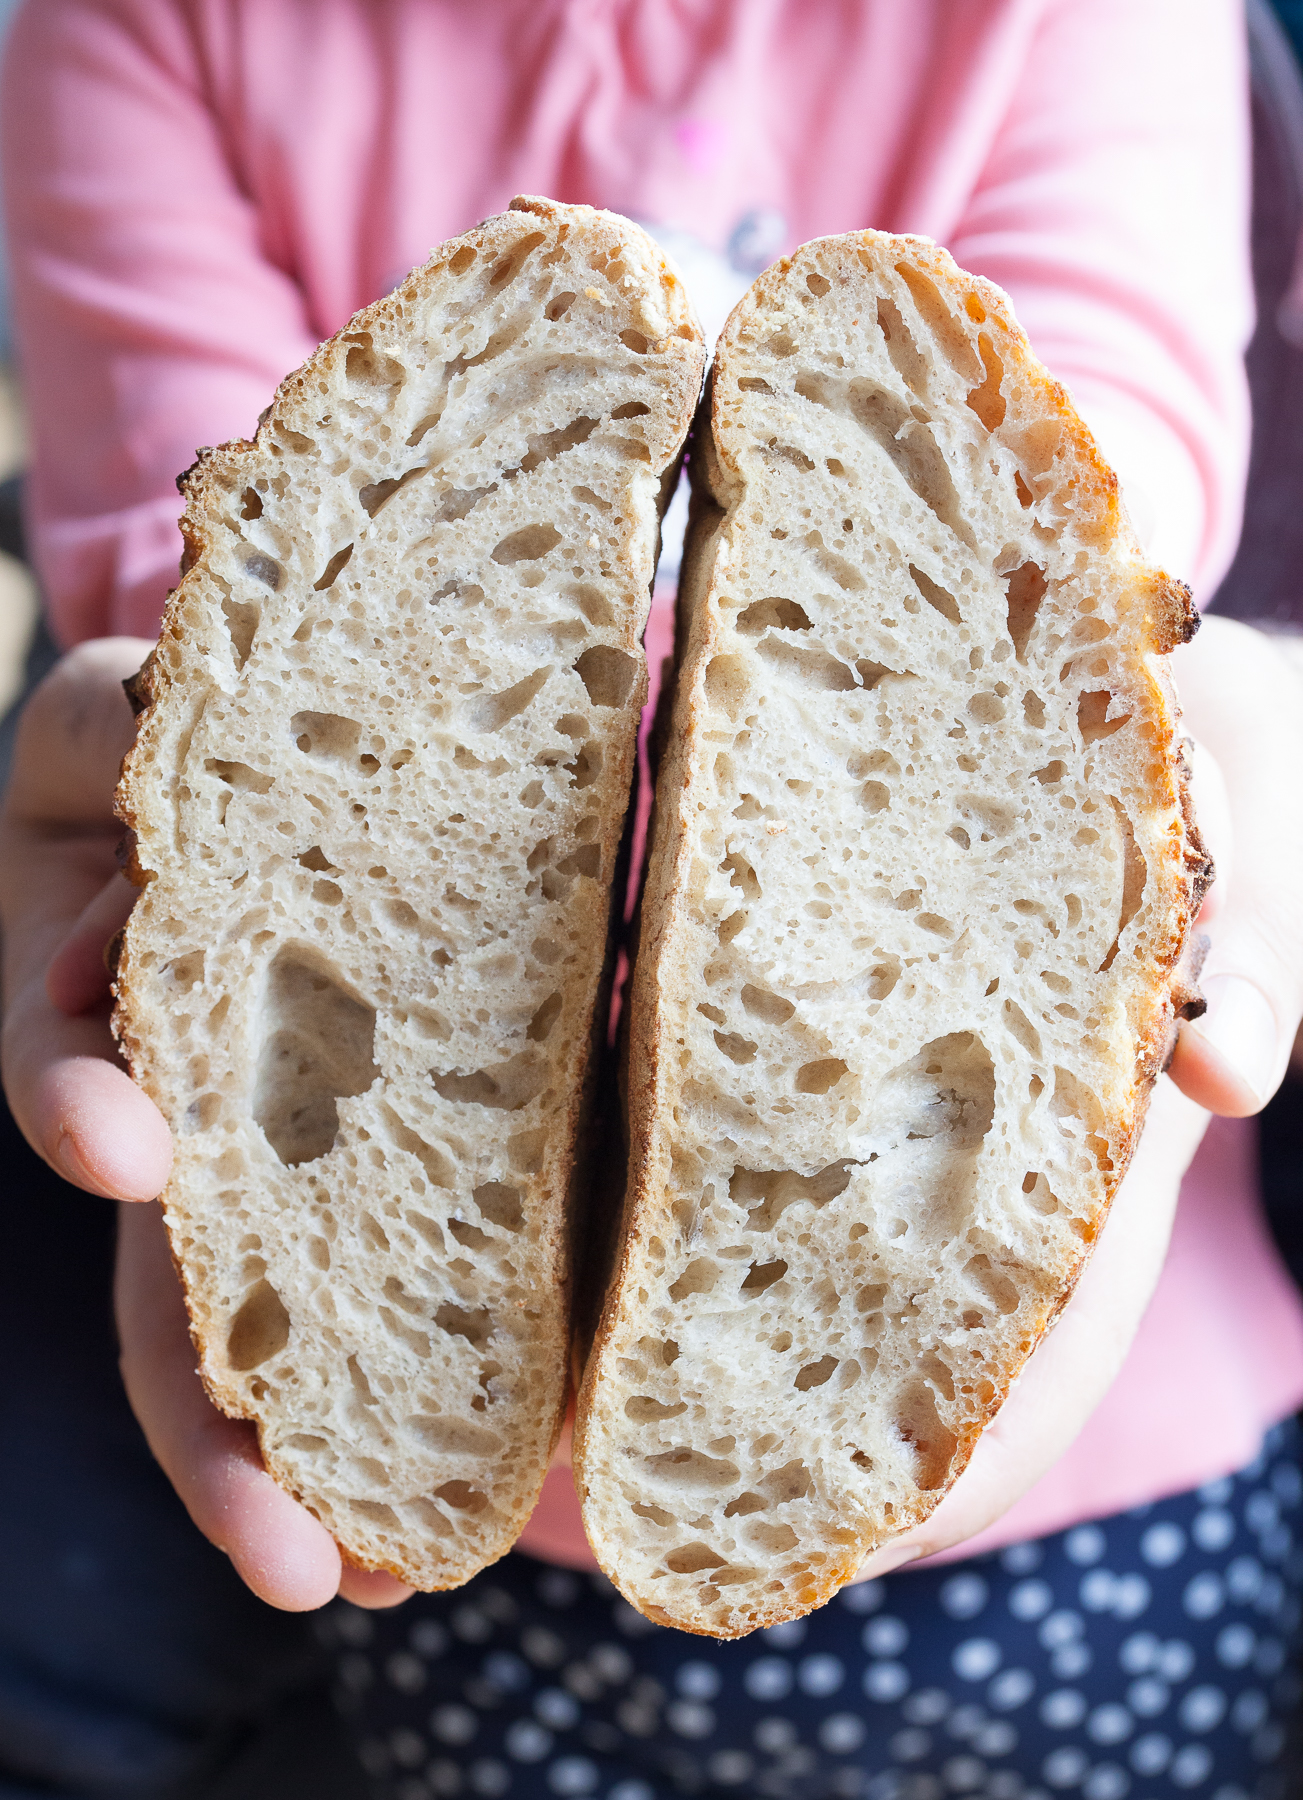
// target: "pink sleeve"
[[149, 319], [1090, 157], [1114, 205]]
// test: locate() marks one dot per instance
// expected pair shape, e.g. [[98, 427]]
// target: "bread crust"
[[685, 1558], [409, 1384]]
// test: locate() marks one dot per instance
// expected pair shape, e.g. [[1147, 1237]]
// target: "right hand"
[[61, 901], [1243, 702]]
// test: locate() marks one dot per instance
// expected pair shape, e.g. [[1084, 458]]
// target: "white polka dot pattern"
[[1138, 1658]]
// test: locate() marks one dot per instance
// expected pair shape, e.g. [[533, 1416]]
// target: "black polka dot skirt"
[[1147, 1655]]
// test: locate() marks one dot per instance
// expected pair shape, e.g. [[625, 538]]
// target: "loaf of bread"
[[922, 874], [378, 795]]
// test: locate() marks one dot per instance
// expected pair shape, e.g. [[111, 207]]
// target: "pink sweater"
[[199, 190]]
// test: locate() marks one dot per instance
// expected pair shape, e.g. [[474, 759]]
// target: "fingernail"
[[887, 1560], [1242, 1028], [74, 1169]]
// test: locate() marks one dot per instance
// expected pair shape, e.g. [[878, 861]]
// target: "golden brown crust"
[[1161, 616], [198, 664]]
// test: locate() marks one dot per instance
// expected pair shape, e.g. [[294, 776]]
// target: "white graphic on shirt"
[[715, 284]]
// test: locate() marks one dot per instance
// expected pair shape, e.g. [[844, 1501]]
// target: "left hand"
[[62, 900], [1243, 704]]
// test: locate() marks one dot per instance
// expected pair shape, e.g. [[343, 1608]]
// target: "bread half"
[[378, 795], [922, 875]]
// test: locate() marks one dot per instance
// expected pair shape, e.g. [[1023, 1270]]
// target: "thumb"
[[1245, 704]]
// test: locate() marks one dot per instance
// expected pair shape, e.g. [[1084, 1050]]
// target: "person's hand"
[[1243, 700], [61, 901], [1243, 704]]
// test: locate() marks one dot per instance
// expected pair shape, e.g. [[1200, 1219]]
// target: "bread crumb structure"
[[378, 792], [922, 874]]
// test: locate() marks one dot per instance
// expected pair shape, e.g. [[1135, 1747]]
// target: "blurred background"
[[18, 605], [1264, 586]]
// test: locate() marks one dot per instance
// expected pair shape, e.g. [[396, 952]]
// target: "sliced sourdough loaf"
[[378, 795], [921, 878]]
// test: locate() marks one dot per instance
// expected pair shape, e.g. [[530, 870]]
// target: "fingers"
[[76, 1104], [887, 1560], [280, 1551], [1245, 704], [1228, 1060], [89, 1120], [62, 900], [372, 1589], [57, 828], [77, 979], [74, 732], [1212, 811]]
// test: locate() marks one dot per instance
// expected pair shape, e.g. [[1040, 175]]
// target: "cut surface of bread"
[[378, 794], [921, 877]]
